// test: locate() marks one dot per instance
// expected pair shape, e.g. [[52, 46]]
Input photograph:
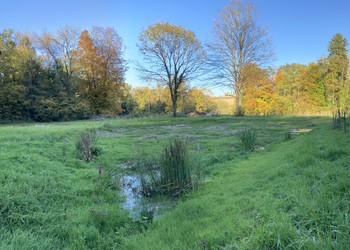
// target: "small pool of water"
[[137, 204]]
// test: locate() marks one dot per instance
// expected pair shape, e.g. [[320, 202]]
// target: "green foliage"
[[13, 101], [247, 138], [45, 86], [337, 74], [86, 147]]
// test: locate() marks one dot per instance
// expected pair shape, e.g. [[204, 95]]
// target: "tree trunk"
[[174, 108], [344, 121], [238, 105], [173, 93]]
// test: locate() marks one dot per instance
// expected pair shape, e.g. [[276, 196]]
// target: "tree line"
[[73, 74], [65, 75]]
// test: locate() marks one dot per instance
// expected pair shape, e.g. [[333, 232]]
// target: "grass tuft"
[[175, 168], [172, 173], [247, 138], [288, 136], [86, 146]]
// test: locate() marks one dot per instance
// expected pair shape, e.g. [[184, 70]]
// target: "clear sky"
[[300, 29]]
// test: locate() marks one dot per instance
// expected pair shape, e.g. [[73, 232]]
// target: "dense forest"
[[73, 74]]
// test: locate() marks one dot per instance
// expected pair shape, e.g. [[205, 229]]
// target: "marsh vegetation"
[[285, 193]]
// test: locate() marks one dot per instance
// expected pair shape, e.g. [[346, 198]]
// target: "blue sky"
[[300, 29]]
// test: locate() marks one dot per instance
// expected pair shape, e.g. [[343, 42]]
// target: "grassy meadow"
[[290, 192]]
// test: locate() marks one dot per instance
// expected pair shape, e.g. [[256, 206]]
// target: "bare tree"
[[59, 49], [172, 56], [238, 41]]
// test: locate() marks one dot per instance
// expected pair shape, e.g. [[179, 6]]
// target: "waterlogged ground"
[[140, 206], [52, 200], [148, 140]]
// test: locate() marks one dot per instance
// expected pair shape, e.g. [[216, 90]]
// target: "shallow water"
[[130, 186]]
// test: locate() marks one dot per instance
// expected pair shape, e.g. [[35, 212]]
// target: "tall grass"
[[172, 172], [86, 147], [247, 138], [175, 168]]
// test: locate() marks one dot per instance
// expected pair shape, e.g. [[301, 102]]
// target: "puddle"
[[130, 190], [130, 186]]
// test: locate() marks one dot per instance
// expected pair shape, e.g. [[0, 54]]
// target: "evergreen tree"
[[337, 76]]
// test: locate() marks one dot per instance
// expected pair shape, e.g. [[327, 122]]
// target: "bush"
[[86, 146], [247, 138]]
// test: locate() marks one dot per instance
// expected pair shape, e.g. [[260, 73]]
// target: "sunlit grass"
[[289, 197], [287, 194]]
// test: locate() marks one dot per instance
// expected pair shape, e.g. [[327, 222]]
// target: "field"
[[224, 104], [291, 192]]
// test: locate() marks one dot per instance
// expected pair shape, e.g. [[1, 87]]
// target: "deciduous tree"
[[238, 41], [259, 95], [313, 88], [102, 68], [289, 88], [59, 50], [172, 56]]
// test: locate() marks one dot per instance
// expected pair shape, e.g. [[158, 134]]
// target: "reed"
[[247, 138]]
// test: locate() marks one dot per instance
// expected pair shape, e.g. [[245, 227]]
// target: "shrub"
[[86, 146], [247, 138]]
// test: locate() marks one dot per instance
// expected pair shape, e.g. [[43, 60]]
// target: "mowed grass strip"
[[294, 196]]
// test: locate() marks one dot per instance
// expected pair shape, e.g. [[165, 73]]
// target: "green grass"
[[247, 139], [294, 196], [288, 194]]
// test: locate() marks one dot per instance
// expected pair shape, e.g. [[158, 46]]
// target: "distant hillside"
[[224, 104]]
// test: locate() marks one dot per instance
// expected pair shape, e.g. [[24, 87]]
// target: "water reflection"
[[138, 205]]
